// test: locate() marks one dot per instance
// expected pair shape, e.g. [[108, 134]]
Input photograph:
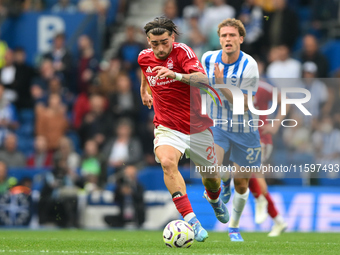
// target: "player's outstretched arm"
[[146, 97], [194, 79]]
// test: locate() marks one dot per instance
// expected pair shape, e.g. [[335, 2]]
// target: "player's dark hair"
[[160, 25]]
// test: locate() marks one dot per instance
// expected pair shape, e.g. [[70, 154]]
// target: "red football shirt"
[[177, 105], [262, 99]]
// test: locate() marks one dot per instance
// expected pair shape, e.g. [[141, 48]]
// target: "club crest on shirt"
[[233, 79], [170, 63]]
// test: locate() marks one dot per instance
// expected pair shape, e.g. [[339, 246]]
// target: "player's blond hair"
[[232, 23]]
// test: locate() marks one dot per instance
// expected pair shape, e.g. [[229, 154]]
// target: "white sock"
[[189, 216], [225, 174], [239, 202], [278, 219]]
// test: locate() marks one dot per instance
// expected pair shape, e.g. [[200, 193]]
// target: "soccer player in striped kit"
[[233, 67]]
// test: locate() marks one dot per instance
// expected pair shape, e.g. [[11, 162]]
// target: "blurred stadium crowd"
[[81, 115]]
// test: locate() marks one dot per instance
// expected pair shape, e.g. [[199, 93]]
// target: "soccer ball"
[[178, 234]]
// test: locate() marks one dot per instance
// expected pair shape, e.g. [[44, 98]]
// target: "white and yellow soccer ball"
[[178, 234]]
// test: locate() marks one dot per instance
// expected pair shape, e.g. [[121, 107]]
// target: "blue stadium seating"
[[332, 51]]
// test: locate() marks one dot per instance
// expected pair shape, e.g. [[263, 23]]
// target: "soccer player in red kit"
[[258, 186], [180, 128]]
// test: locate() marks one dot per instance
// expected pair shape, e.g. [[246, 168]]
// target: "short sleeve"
[[250, 78], [189, 61]]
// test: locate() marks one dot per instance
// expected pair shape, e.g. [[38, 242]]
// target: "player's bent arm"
[[143, 85], [194, 79], [146, 97], [227, 93]]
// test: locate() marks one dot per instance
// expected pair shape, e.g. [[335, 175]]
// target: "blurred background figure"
[[61, 59], [280, 59], [9, 77], [326, 142], [252, 17], [40, 83], [51, 121], [129, 49], [91, 6], [64, 6], [92, 167], [4, 183], [124, 148], [129, 197], [124, 102], [97, 123], [319, 93], [25, 74], [10, 155], [87, 63], [58, 201], [283, 27], [66, 152], [311, 52], [8, 116], [41, 157]]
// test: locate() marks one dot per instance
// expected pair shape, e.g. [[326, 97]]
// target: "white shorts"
[[198, 147]]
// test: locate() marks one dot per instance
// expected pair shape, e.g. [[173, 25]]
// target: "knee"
[[241, 185], [169, 164]]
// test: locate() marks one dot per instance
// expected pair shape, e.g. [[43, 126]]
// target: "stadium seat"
[[332, 51], [26, 115]]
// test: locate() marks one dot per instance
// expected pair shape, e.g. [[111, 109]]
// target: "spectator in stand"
[[41, 156], [319, 94], [64, 6], [215, 14], [8, 116], [193, 36], [97, 123], [124, 148], [92, 166], [282, 27], [66, 151], [170, 11], [61, 59], [82, 106], [129, 50], [326, 143], [197, 9], [10, 155], [252, 17], [282, 66], [9, 76], [55, 87], [324, 12], [99, 7], [24, 76], [3, 48], [58, 201], [147, 136], [87, 63], [310, 52], [109, 73], [4, 183], [51, 121], [40, 84], [129, 196], [124, 103]]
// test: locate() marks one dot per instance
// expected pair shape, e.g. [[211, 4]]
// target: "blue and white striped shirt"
[[242, 74]]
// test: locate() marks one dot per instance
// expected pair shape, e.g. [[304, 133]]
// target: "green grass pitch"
[[151, 242]]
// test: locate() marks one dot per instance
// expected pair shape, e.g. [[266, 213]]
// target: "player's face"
[[161, 44], [230, 40]]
